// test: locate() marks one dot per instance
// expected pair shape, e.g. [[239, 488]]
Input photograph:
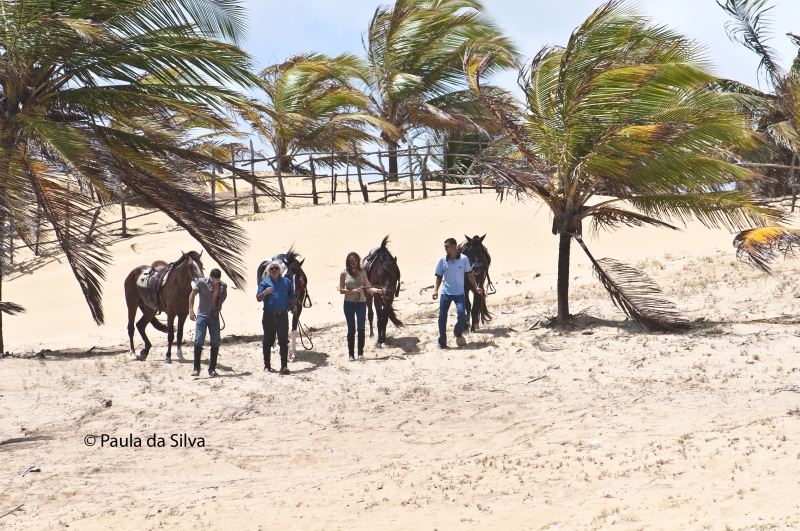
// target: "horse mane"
[[191, 254], [292, 255], [384, 243]]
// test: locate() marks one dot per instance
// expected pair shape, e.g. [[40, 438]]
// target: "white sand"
[[693, 432]]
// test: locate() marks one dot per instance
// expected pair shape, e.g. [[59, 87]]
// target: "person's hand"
[[435, 296], [479, 291], [294, 311], [269, 290], [192, 316]]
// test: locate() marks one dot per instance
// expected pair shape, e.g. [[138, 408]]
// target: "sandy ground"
[[600, 426]]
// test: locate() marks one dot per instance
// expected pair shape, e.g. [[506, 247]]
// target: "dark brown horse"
[[480, 261], [293, 270], [382, 271], [174, 298]]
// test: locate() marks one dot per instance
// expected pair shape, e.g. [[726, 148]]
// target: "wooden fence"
[[429, 170]]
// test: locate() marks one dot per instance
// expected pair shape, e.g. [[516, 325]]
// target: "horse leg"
[[141, 324], [468, 308], [131, 316], [170, 337], [295, 321], [379, 311], [181, 323], [370, 301]]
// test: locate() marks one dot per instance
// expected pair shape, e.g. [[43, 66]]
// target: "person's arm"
[[192, 316], [262, 295], [367, 286], [223, 294], [436, 288], [342, 289], [471, 277], [215, 295]]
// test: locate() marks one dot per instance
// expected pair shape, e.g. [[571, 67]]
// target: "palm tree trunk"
[[562, 285], [393, 172]]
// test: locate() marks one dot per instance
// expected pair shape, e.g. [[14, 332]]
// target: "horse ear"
[[482, 237], [467, 237], [201, 253], [183, 254]]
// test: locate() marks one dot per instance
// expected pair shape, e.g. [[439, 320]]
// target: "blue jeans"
[[210, 323], [461, 313], [353, 310]]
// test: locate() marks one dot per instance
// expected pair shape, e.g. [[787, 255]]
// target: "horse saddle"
[[150, 283], [370, 259]]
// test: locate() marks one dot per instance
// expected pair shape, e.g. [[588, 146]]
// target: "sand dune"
[[601, 426]]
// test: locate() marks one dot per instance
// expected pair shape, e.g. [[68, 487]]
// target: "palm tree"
[[311, 105], [413, 54], [622, 127], [106, 94], [777, 112]]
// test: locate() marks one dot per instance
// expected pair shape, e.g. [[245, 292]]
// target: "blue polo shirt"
[[452, 273], [278, 300]]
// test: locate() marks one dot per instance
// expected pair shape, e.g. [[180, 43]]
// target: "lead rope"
[[304, 333]]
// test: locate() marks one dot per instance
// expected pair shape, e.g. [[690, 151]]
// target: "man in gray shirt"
[[212, 291]]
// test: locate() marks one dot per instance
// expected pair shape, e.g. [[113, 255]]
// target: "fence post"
[[213, 180], [347, 176], [91, 227], [358, 168], [424, 176], [38, 229], [444, 166], [791, 180], [333, 176], [253, 175], [480, 175], [280, 180], [313, 181], [385, 178], [124, 220], [233, 179], [411, 171]]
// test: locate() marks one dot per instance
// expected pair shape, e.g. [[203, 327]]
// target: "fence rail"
[[432, 169]]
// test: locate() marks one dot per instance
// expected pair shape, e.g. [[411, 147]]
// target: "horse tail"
[[158, 325], [391, 315], [485, 314]]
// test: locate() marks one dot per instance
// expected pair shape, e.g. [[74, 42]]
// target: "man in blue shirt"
[[452, 268], [278, 296]]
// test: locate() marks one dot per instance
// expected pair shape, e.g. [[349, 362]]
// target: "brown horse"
[[174, 297], [382, 271], [480, 261]]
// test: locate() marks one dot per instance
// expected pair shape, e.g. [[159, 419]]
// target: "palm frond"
[[760, 246], [636, 294], [750, 27], [11, 308]]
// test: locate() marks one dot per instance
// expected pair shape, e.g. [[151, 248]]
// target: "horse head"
[[193, 264]]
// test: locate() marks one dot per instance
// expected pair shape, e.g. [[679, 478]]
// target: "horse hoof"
[[378, 345], [168, 361], [180, 356], [142, 355], [132, 356]]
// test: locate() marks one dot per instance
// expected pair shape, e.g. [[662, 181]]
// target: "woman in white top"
[[353, 283]]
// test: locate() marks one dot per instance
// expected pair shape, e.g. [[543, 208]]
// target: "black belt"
[[276, 313]]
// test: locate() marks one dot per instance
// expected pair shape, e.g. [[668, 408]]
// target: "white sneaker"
[[461, 342]]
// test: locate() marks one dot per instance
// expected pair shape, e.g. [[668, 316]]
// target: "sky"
[[280, 28]]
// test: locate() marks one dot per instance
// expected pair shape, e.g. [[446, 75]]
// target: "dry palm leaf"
[[11, 308], [759, 246], [636, 294]]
